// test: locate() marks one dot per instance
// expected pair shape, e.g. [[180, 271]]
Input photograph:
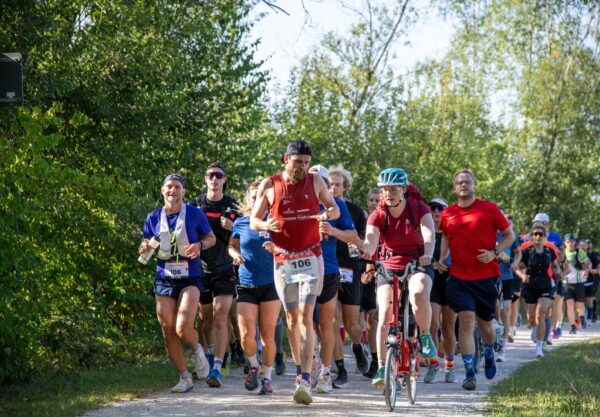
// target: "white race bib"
[[346, 275], [301, 268], [177, 270]]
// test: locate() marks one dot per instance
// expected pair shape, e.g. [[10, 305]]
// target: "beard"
[[295, 175]]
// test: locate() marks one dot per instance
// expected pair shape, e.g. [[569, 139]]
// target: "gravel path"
[[358, 399]]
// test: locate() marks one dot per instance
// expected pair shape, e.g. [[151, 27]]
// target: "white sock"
[[218, 363], [253, 361], [325, 370], [538, 344], [267, 373], [186, 374], [199, 351]]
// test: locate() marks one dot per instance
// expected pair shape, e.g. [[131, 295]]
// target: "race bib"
[[300, 268], [346, 275], [177, 270]]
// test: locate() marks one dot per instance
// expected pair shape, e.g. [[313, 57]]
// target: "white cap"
[[439, 201], [541, 217], [321, 170]]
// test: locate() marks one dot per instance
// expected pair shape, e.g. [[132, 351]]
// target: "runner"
[[594, 258], [183, 232], [469, 229], [219, 276], [534, 267], [439, 304], [292, 198], [349, 293], [577, 264], [257, 296], [405, 227]]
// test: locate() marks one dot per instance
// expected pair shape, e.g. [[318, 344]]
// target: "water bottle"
[[145, 257]]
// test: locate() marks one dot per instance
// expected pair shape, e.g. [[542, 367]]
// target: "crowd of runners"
[[297, 240]]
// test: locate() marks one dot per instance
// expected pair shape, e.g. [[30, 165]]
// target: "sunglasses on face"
[[539, 234], [436, 208], [215, 174]]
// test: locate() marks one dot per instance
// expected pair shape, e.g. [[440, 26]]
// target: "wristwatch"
[[496, 251]]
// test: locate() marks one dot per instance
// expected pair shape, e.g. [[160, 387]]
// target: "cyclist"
[[292, 198], [257, 296], [534, 269], [184, 232], [405, 228], [469, 231], [577, 263]]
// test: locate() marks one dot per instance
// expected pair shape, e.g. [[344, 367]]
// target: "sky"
[[286, 39]]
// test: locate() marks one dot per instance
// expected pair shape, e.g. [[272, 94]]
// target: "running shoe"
[[214, 380], [431, 373], [315, 371], [372, 370], [501, 357], [573, 329], [450, 375], [302, 394], [554, 333], [583, 322], [184, 385], [594, 317], [378, 380], [202, 366], [342, 379], [251, 381], [470, 383], [266, 387], [324, 386], [279, 363], [559, 331], [548, 342], [428, 349], [362, 363], [539, 352], [490, 363]]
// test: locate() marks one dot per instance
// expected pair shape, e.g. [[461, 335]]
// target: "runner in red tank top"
[[293, 198]]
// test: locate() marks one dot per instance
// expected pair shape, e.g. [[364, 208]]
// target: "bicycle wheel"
[[410, 380], [390, 389]]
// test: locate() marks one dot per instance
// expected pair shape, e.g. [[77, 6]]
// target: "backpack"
[[412, 196]]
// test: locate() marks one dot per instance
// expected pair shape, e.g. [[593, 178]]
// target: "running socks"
[[298, 370], [589, 311], [449, 361], [218, 364], [468, 361], [306, 376], [253, 361], [325, 370], [267, 373], [199, 350], [434, 362], [340, 365], [210, 349]]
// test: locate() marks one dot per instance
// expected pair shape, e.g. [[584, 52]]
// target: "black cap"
[[175, 177], [216, 165], [569, 236], [298, 147]]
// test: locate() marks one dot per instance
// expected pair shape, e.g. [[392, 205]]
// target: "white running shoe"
[[539, 352], [202, 365], [302, 394], [324, 385], [501, 356], [431, 373], [184, 385]]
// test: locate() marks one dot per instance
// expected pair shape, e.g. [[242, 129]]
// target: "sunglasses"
[[436, 208], [539, 234], [215, 174]]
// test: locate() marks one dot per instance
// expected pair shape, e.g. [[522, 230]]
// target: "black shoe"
[[279, 364], [342, 380], [362, 363], [240, 359], [372, 370], [594, 317]]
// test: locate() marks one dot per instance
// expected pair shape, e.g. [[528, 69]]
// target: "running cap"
[[541, 217], [439, 201], [298, 147], [174, 177], [216, 165], [321, 170], [569, 236]]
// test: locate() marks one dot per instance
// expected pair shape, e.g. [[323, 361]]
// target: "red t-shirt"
[[293, 205], [401, 241], [469, 229]]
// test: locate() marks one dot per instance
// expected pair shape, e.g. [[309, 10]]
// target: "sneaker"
[[251, 382], [501, 357], [378, 380], [573, 329], [428, 349], [583, 322], [279, 363], [315, 371], [372, 370], [202, 366], [554, 333], [324, 385], [594, 317], [510, 338], [431, 373], [539, 352], [302, 394], [342, 379], [470, 383], [214, 380], [450, 375], [266, 387], [184, 385], [490, 364], [362, 363], [298, 380], [548, 342], [559, 331]]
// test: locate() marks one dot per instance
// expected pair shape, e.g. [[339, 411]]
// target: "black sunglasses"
[[215, 174], [539, 234], [435, 207]]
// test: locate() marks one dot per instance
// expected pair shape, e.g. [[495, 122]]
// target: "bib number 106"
[[300, 263]]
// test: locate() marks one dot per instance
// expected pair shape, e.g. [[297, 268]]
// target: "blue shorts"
[[172, 287], [479, 296]]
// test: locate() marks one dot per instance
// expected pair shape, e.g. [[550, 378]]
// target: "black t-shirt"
[[594, 258], [216, 259], [537, 265], [360, 224]]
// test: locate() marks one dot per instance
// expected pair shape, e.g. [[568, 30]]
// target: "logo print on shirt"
[[306, 196], [285, 200]]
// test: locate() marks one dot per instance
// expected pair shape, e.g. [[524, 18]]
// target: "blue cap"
[[569, 236], [175, 177]]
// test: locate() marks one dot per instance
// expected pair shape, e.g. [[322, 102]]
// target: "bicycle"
[[402, 361]]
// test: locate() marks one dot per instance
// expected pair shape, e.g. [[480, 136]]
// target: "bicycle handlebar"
[[410, 269]]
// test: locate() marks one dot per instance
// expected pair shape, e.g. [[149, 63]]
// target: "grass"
[[73, 394], [565, 383]]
